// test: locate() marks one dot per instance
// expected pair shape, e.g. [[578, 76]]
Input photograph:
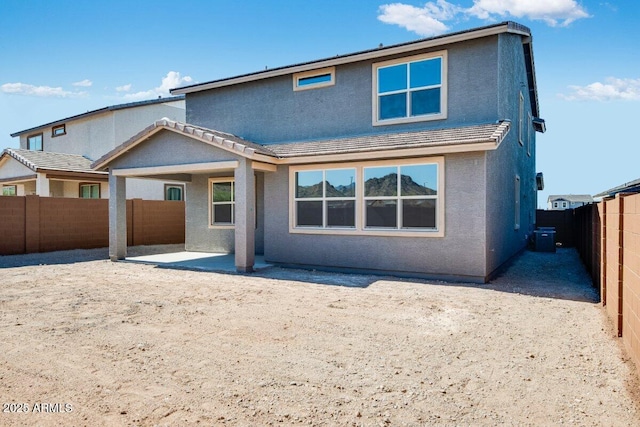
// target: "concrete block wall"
[[631, 276], [42, 224]]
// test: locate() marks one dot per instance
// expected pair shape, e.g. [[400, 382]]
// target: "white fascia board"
[[173, 169]]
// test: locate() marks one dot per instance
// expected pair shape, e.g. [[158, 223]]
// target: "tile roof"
[[43, 160], [467, 135], [424, 138], [629, 187]]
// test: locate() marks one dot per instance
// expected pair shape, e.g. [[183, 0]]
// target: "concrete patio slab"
[[200, 261]]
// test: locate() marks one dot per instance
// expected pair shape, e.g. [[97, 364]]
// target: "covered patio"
[[171, 151]]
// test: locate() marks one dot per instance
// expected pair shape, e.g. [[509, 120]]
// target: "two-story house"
[[54, 159], [416, 159], [563, 202]]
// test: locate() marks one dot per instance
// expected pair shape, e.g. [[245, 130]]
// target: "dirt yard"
[[85, 341]]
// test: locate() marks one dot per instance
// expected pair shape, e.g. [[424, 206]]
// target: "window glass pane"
[[312, 80], [425, 102], [419, 213], [95, 191], [222, 192], [426, 73], [174, 193], [382, 213], [34, 142], [392, 78], [419, 180], [392, 106], [85, 191], [309, 213], [9, 190], [222, 214], [381, 181], [309, 184], [341, 183], [341, 213]]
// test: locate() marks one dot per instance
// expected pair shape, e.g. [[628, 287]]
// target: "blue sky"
[[65, 57]]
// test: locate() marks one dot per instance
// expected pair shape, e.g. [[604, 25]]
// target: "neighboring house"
[[568, 201], [54, 159], [629, 187], [416, 159]]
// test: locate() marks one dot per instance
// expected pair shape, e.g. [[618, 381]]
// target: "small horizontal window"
[[9, 190], [58, 130], [89, 191], [314, 79]]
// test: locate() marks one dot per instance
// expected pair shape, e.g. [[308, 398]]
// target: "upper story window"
[[410, 89], [34, 142], [314, 79], [58, 130]]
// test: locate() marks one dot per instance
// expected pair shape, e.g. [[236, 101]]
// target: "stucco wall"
[[97, 134], [11, 168], [459, 254], [269, 111], [511, 159]]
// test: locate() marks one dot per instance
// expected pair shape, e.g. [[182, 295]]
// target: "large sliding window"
[[410, 89], [377, 198]]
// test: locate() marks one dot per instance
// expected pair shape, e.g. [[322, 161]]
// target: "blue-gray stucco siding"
[[270, 111]]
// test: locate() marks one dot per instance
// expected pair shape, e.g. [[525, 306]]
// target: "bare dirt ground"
[[84, 341]]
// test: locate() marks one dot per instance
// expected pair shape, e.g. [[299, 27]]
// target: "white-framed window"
[[325, 198], [89, 190], [410, 89], [388, 198], [517, 203], [34, 142], [222, 202], [173, 192], [9, 190], [564, 204], [58, 130], [521, 119], [555, 204], [314, 79]]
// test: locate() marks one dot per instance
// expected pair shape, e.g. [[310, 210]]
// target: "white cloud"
[[430, 19], [40, 91], [553, 12], [170, 81], [124, 88], [613, 89], [425, 21], [83, 83]]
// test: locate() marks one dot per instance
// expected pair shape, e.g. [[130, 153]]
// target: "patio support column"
[[117, 217], [42, 185], [245, 220]]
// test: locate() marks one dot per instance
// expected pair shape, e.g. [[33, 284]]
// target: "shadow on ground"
[[545, 274], [551, 275]]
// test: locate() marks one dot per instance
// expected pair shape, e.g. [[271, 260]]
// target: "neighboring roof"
[[467, 138], [574, 198], [43, 160], [629, 187], [100, 111], [474, 33]]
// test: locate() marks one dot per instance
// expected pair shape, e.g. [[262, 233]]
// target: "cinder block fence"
[[608, 240], [31, 224]]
